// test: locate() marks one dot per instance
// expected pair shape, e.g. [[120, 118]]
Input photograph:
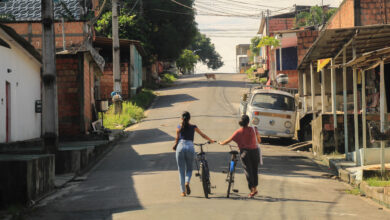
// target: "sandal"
[[183, 194], [252, 194], [188, 190]]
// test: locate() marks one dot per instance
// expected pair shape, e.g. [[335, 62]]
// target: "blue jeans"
[[185, 158]]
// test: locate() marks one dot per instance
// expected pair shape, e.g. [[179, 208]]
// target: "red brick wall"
[[68, 96], [36, 29], [292, 78], [344, 17], [278, 24], [373, 12], [305, 40], [106, 81]]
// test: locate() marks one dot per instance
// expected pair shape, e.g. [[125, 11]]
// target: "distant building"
[[242, 60]]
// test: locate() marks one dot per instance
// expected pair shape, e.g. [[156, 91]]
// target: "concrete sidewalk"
[[349, 172]]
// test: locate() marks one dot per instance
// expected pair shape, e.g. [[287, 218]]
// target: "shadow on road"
[[166, 101]]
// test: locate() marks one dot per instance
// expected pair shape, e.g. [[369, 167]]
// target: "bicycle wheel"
[[203, 175], [230, 178]]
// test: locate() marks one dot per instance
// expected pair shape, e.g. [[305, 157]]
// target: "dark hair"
[[186, 118], [244, 121]]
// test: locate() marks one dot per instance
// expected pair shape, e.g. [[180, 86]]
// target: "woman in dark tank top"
[[184, 147]]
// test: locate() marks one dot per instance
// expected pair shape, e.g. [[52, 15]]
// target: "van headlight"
[[255, 121], [287, 124]]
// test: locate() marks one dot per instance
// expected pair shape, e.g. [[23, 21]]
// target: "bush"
[[132, 111], [168, 78]]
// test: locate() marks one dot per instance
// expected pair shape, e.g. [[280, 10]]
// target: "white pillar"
[[280, 59], [333, 87], [355, 107]]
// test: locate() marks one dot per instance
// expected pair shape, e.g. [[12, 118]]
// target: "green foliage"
[[253, 47], [168, 78], [268, 41], [187, 61], [377, 181], [316, 16], [162, 34], [132, 111], [202, 46]]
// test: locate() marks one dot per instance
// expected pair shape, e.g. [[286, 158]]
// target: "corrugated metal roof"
[[30, 10], [331, 41]]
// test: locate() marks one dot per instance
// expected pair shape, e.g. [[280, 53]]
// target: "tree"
[[202, 46], [187, 61], [163, 27], [317, 16], [268, 41]]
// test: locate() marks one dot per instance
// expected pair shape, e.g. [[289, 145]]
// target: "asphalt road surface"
[[138, 179]]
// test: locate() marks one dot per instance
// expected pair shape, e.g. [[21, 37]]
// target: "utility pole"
[[49, 77], [115, 48]]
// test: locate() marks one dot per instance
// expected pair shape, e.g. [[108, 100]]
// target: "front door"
[[7, 111]]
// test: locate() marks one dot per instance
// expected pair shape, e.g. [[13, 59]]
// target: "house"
[[242, 59], [20, 86], [346, 81], [24, 177], [283, 59], [132, 74]]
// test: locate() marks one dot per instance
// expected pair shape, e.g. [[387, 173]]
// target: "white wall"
[[25, 82]]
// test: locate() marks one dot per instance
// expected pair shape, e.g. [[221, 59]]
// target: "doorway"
[[7, 112]]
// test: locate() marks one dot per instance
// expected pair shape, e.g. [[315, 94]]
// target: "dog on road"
[[210, 76]]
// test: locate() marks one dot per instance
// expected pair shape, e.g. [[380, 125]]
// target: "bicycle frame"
[[203, 170], [231, 170]]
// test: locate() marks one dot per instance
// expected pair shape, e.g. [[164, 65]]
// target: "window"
[[274, 101]]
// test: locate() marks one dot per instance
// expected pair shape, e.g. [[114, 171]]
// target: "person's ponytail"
[[186, 121]]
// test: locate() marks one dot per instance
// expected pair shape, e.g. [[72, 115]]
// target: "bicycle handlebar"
[[208, 142]]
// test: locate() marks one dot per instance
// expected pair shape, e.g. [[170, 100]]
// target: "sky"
[[239, 23]]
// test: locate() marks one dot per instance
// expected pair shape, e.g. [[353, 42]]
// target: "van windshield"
[[274, 101]]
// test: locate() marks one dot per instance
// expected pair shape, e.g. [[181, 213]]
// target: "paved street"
[[139, 178]]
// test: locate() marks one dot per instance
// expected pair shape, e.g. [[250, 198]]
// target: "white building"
[[20, 88]]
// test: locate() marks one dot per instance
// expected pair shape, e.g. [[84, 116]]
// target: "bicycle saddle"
[[233, 152]]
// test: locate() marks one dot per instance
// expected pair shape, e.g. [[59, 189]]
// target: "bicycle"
[[203, 167], [231, 170]]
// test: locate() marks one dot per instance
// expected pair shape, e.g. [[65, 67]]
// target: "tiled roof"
[[30, 10]]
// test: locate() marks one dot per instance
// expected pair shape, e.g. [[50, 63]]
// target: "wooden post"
[[382, 114], [345, 100], [323, 90], [313, 93], [49, 79], [355, 107], [364, 119], [334, 104], [304, 92]]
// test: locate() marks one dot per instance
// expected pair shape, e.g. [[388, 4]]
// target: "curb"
[[381, 195]]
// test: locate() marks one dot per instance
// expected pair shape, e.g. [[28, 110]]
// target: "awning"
[[371, 59], [331, 41], [107, 42]]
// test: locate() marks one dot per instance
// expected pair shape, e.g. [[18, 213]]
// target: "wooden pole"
[[304, 92], [345, 100], [334, 104], [364, 119], [382, 114], [313, 94], [323, 90], [355, 107], [49, 78]]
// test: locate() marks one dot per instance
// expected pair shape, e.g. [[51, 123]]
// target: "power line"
[[178, 3]]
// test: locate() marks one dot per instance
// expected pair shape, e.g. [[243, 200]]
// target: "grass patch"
[[132, 111], [354, 191], [377, 181]]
